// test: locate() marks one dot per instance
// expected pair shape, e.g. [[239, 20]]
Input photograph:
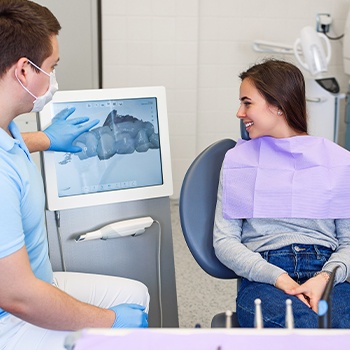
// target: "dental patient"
[[282, 218]]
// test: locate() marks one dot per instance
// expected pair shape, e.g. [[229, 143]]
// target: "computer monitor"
[[126, 157]]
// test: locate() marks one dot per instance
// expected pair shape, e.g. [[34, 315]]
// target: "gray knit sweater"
[[237, 242]]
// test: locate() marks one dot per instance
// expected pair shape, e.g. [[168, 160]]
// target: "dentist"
[[38, 307]]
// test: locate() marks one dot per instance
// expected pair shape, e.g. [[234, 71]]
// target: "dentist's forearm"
[[36, 141]]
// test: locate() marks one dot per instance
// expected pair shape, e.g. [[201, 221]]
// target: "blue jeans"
[[300, 261]]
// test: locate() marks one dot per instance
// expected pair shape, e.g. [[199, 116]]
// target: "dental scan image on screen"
[[125, 157], [121, 152]]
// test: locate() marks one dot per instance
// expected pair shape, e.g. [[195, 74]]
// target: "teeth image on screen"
[[122, 153], [119, 134]]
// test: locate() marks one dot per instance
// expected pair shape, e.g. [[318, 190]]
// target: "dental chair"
[[197, 209]]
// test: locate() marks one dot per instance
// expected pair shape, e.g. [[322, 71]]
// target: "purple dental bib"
[[296, 177]]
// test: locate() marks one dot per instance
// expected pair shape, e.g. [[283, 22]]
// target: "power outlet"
[[323, 22]]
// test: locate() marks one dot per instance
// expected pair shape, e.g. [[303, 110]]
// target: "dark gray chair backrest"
[[197, 207], [244, 132]]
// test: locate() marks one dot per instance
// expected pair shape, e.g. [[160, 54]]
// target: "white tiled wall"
[[196, 49]]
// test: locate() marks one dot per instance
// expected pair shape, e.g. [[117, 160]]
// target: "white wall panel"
[[196, 49]]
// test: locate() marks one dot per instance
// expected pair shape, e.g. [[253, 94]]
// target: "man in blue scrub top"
[[35, 310]]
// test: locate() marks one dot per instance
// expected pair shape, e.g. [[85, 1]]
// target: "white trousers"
[[99, 290]]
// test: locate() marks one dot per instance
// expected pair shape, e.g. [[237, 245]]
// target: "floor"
[[199, 295]]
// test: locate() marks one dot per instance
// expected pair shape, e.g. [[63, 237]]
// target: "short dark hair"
[[282, 85], [26, 29]]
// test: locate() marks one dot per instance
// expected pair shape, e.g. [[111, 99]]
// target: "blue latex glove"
[[129, 316], [63, 132]]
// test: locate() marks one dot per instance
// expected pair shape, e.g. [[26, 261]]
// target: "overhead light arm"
[[272, 47]]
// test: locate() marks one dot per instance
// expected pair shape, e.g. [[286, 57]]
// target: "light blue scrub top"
[[22, 205]]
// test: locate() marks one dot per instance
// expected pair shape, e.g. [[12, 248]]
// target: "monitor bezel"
[[54, 202]]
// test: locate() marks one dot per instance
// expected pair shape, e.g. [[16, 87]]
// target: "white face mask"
[[41, 101]]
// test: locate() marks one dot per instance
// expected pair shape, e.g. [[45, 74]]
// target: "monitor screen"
[[125, 157]]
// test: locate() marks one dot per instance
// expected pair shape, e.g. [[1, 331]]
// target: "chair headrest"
[[244, 132]]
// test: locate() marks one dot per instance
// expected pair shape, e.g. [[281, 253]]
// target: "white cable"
[[59, 236], [159, 274]]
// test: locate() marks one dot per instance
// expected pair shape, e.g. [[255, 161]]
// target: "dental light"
[[309, 45], [316, 59], [312, 51]]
